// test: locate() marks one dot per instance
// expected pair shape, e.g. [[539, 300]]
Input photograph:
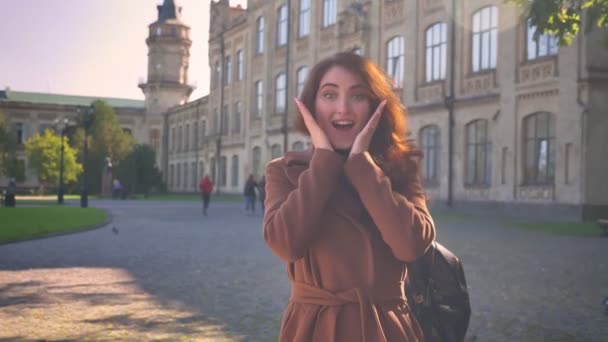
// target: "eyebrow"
[[356, 86]]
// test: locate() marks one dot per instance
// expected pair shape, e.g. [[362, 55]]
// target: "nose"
[[342, 105]]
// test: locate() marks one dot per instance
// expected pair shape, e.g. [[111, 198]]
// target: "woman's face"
[[342, 106]]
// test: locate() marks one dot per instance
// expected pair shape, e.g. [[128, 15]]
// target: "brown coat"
[[345, 235]]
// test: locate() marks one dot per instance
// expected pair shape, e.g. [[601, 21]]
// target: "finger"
[[375, 119]]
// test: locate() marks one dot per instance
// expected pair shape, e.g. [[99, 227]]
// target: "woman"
[[249, 193], [347, 215]]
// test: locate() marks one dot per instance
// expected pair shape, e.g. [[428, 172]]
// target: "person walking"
[[205, 186], [348, 215], [249, 193], [262, 192]]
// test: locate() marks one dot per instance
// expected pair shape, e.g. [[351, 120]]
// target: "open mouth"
[[343, 125]]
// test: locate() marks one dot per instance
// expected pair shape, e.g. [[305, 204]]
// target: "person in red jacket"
[[205, 186]]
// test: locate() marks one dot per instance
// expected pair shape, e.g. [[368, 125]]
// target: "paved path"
[[171, 274]]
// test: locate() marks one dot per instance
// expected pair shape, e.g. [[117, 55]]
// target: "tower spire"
[[168, 10]]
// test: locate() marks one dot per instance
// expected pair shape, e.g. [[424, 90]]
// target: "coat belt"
[[371, 330]]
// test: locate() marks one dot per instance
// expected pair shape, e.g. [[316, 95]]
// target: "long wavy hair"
[[389, 148]]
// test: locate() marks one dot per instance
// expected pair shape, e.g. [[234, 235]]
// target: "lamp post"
[[87, 120], [61, 124]]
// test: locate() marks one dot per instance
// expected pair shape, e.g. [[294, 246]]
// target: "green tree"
[[106, 139], [564, 18], [10, 165], [138, 171], [44, 155]]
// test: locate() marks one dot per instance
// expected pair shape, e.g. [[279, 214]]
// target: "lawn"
[[30, 222]]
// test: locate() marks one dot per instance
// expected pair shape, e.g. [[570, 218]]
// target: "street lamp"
[[87, 121], [61, 124]]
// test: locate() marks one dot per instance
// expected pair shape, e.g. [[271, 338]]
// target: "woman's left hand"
[[364, 138]]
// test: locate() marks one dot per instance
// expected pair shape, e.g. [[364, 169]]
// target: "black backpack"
[[437, 294]]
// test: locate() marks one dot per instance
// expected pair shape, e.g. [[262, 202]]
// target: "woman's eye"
[[329, 96], [360, 97]]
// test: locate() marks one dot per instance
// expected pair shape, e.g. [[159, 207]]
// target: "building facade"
[[504, 120]]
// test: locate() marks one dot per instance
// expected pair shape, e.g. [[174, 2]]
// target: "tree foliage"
[[44, 155], [138, 171], [106, 138], [10, 166], [564, 18]]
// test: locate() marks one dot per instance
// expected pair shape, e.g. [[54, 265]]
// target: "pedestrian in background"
[[249, 193], [262, 192], [205, 186]]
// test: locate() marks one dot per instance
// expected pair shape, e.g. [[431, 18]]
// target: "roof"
[[74, 100]]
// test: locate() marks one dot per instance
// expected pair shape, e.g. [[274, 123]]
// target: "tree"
[[564, 18], [10, 165], [138, 171], [44, 155], [106, 139]]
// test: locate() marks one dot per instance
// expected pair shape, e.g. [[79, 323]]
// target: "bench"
[[603, 223]]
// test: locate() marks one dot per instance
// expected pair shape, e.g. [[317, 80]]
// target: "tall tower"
[[167, 84]]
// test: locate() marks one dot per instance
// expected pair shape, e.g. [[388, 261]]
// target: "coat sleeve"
[[403, 222], [291, 220]]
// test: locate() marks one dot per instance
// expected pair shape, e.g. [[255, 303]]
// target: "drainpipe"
[[449, 103], [287, 80]]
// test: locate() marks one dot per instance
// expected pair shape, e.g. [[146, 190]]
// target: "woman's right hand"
[[318, 137]]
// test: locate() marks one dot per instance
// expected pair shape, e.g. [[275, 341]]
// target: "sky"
[[91, 47]]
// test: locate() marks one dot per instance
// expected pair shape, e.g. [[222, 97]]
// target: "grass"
[[20, 223], [561, 228]]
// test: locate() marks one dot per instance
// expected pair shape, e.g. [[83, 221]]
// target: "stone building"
[[505, 121]]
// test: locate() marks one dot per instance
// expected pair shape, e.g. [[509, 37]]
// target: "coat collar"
[[298, 157]]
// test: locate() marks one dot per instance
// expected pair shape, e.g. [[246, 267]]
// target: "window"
[[260, 35], [185, 185], [429, 141], [227, 70], [225, 114], [478, 153], [485, 39], [193, 175], [239, 65], [180, 136], [301, 75], [195, 136], [546, 45], [275, 151], [213, 170], [216, 120], [539, 150], [395, 60], [329, 12], [178, 182], [257, 161], [259, 98], [172, 138], [357, 51], [19, 129], [187, 138], [280, 93], [297, 146], [436, 52], [203, 128], [304, 24], [235, 170], [282, 26], [236, 125], [201, 169], [171, 176], [217, 74]]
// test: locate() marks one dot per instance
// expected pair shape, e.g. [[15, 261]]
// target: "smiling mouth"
[[343, 125]]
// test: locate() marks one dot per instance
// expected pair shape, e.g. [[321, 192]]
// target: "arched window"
[[546, 45], [478, 153], [539, 148], [436, 52], [329, 12], [239, 65], [235, 170], [429, 141], [260, 35], [257, 161], [275, 151], [282, 26], [259, 98], [395, 60], [302, 73], [227, 70], [280, 89], [223, 171], [297, 146], [236, 123], [484, 38], [304, 21]]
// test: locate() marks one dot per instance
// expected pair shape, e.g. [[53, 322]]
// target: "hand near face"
[[364, 138], [318, 137]]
